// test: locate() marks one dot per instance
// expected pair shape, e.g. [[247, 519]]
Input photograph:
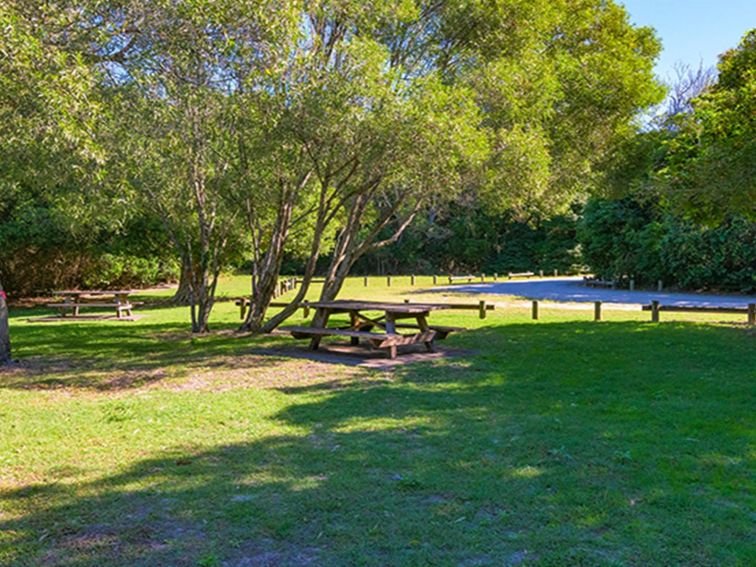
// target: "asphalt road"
[[572, 289]]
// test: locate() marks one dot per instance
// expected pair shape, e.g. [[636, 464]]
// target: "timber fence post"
[[655, 311]]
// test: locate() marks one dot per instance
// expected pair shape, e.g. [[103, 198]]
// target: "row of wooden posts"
[[656, 308], [482, 307], [284, 286], [451, 278], [291, 283]]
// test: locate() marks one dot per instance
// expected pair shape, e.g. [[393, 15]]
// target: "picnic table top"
[[359, 305], [76, 292]]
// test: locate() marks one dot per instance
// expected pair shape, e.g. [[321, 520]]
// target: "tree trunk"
[[201, 308], [5, 345], [350, 248], [183, 295], [267, 274]]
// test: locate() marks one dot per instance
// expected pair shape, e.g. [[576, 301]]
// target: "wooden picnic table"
[[74, 300], [361, 324]]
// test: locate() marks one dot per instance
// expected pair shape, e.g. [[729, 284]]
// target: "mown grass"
[[555, 442]]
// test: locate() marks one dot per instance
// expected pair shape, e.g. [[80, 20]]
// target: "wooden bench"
[[596, 282], [520, 275], [468, 279], [441, 331]]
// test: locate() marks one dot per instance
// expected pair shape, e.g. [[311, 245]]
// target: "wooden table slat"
[[350, 305]]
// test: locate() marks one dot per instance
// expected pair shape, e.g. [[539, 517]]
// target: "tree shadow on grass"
[[560, 443], [111, 357]]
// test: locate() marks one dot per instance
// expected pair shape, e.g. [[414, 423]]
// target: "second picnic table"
[[361, 325], [74, 300]]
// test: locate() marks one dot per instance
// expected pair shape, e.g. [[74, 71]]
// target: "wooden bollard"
[[752, 313], [535, 310], [482, 309], [306, 308], [556, 273], [655, 311], [632, 284], [597, 311], [496, 277], [482, 278], [450, 279], [412, 279], [388, 281], [435, 280], [659, 285], [540, 273], [365, 281]]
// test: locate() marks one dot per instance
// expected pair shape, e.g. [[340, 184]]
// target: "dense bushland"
[[472, 240], [44, 248], [649, 243]]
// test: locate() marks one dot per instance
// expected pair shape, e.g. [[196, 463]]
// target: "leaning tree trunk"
[[5, 345], [183, 295], [350, 247], [264, 286]]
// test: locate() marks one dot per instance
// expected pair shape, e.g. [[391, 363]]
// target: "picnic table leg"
[[391, 330], [325, 313], [124, 300], [422, 322], [74, 307], [355, 326]]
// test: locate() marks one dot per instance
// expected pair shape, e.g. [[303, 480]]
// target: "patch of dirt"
[[268, 553], [287, 368]]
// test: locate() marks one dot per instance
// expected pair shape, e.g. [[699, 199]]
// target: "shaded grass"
[[557, 442]]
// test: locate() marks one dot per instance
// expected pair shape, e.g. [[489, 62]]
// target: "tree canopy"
[[316, 127]]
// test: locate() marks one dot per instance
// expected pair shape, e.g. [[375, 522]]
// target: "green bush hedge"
[[643, 241], [42, 249]]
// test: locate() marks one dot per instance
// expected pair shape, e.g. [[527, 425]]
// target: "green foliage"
[[648, 243], [43, 249], [472, 240], [711, 165]]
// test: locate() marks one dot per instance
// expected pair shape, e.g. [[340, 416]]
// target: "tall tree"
[[174, 89], [710, 170], [46, 111], [557, 85]]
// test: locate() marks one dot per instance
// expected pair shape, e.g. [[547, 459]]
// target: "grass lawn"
[[555, 442]]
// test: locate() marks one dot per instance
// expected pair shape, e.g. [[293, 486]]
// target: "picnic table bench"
[[74, 300], [597, 282], [467, 279], [361, 326]]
